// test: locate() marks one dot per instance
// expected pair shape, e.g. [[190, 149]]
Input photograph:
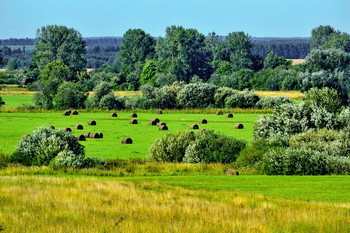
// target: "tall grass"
[[52, 204]]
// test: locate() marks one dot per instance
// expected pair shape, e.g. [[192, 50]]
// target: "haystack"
[[239, 126], [126, 141]]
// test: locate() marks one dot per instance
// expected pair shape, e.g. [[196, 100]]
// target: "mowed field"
[[14, 125]]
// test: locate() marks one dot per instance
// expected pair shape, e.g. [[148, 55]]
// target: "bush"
[[110, 101], [197, 95], [69, 96], [272, 102], [43, 145], [324, 98], [210, 147], [332, 142], [293, 161], [242, 99], [171, 147], [221, 95]]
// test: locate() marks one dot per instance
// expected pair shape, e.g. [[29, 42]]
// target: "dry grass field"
[[296, 61], [294, 95]]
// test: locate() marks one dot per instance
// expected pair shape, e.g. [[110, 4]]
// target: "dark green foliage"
[[197, 95], [60, 43], [210, 147], [324, 98], [320, 35], [328, 59], [242, 99], [69, 96], [293, 161], [149, 73], [110, 101], [221, 95], [171, 147], [272, 102], [43, 145], [334, 143]]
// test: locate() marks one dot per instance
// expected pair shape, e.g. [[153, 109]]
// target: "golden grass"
[[295, 95], [128, 93], [52, 204], [297, 61], [15, 90], [2, 70]]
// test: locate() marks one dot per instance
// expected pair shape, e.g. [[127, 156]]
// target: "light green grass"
[[14, 125], [12, 101]]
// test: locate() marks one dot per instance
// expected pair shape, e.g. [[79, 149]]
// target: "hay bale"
[[219, 113], [81, 137], [161, 123], [159, 112], [66, 113], [74, 113], [163, 127], [239, 126], [101, 135], [67, 129], [202, 130], [156, 120], [114, 114], [25, 136], [203, 121], [86, 134], [133, 115], [94, 135], [194, 126], [92, 122], [231, 172], [2, 102], [126, 141], [79, 127], [229, 115], [133, 122], [50, 127], [152, 123]]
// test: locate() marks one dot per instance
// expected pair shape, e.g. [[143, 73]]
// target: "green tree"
[[338, 41], [328, 59], [217, 49], [149, 73], [69, 95], [271, 60], [324, 98], [320, 35], [136, 47], [239, 46], [183, 53], [60, 43]]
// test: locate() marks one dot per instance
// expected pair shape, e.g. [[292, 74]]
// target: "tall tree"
[[60, 43], [240, 45], [217, 48], [320, 35], [183, 53], [136, 47]]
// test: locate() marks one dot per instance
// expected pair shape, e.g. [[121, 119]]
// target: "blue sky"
[[258, 18]]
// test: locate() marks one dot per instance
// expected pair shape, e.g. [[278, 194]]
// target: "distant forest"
[[103, 50]]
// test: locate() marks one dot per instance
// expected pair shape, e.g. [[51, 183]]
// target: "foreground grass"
[[69, 204]]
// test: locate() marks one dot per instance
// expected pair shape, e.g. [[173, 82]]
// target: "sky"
[[93, 18]]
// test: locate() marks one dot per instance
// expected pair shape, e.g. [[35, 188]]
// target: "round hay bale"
[[163, 127], [156, 120], [101, 135], [86, 134], [161, 123], [231, 172], [92, 122], [2, 102], [79, 127], [74, 113], [81, 137], [25, 136], [219, 113], [194, 126], [114, 114], [159, 112], [50, 127], [126, 141], [67, 129], [152, 123], [203, 121], [239, 126], [133, 115], [133, 122], [94, 135], [229, 115], [66, 113]]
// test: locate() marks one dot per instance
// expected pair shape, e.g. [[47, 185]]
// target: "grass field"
[[14, 125], [78, 204]]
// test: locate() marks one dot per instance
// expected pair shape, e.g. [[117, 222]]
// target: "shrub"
[[110, 101], [323, 98], [43, 145], [171, 147], [293, 161], [272, 102], [197, 95], [69, 96], [221, 94], [210, 147], [242, 99], [332, 142]]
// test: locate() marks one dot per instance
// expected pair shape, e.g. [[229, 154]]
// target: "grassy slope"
[[14, 125]]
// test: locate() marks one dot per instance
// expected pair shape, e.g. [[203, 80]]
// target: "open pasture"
[[114, 129]]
